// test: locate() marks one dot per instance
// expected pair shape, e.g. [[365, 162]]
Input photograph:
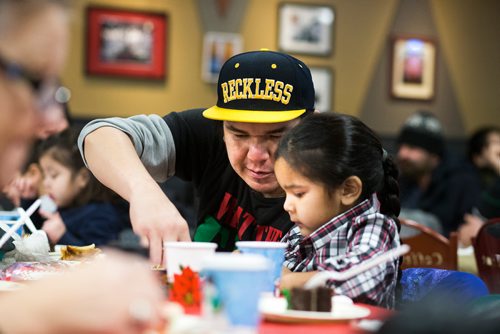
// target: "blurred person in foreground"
[[431, 180], [446, 313], [27, 184], [93, 298]]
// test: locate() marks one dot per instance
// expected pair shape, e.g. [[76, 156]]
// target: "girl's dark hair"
[[63, 148], [478, 141], [328, 148]]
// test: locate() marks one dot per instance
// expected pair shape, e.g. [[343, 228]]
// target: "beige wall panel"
[[470, 41]]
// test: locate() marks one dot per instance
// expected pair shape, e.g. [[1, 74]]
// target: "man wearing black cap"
[[227, 151], [430, 181]]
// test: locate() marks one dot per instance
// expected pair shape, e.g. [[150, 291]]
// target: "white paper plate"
[[55, 256], [341, 313]]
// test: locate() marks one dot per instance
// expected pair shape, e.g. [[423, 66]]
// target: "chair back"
[[429, 249], [487, 252]]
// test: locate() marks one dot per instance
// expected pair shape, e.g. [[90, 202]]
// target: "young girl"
[[342, 195], [87, 211]]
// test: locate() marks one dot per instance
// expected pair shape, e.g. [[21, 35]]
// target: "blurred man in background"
[[432, 182]]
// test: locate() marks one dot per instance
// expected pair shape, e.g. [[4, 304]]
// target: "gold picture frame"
[[413, 68]]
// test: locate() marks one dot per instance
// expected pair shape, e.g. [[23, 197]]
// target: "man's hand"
[[112, 158], [156, 220], [469, 229]]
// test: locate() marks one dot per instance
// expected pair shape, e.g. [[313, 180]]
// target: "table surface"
[[376, 313], [467, 261]]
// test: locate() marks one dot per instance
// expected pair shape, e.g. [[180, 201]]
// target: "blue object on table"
[[9, 217], [238, 281], [420, 283], [274, 251]]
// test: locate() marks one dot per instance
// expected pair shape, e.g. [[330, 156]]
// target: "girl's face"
[[308, 203], [59, 182]]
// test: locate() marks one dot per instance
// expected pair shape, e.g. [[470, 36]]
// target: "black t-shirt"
[[229, 210]]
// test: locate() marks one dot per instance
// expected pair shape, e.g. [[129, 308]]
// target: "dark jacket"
[[454, 190], [94, 223]]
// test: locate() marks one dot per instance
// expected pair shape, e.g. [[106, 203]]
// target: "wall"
[[466, 30], [97, 96], [470, 45], [411, 18], [360, 26]]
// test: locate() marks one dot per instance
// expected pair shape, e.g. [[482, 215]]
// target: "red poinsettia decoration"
[[186, 290]]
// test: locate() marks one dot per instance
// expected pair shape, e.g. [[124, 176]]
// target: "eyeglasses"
[[44, 90]]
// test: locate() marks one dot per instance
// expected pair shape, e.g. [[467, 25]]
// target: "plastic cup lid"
[[240, 262], [187, 244], [260, 244]]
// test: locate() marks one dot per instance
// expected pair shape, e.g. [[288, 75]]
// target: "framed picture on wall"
[[217, 48], [305, 29], [413, 68], [126, 43], [323, 88]]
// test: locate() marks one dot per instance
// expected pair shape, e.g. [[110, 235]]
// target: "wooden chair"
[[487, 252], [429, 249]]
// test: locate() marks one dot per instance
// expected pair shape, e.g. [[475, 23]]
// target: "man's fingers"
[[144, 241], [184, 235], [155, 249]]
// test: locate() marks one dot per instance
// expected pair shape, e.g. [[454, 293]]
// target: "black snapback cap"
[[262, 87]]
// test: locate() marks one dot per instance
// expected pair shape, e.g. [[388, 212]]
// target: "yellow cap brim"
[[251, 116]]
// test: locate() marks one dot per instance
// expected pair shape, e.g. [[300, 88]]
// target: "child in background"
[[342, 195], [88, 212]]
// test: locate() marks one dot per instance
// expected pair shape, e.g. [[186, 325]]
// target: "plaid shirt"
[[356, 235]]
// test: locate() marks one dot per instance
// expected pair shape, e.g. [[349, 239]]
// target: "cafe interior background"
[[464, 33]]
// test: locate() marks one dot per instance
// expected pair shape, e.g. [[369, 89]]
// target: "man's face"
[[38, 45], [251, 148], [415, 162]]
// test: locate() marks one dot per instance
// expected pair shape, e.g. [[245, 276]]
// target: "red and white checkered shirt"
[[356, 235]]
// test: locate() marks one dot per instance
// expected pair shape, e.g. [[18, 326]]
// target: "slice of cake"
[[317, 299]]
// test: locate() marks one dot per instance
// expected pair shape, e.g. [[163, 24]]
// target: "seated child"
[[87, 212], [342, 195]]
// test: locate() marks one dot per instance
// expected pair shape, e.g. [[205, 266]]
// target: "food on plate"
[[79, 252], [317, 299]]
